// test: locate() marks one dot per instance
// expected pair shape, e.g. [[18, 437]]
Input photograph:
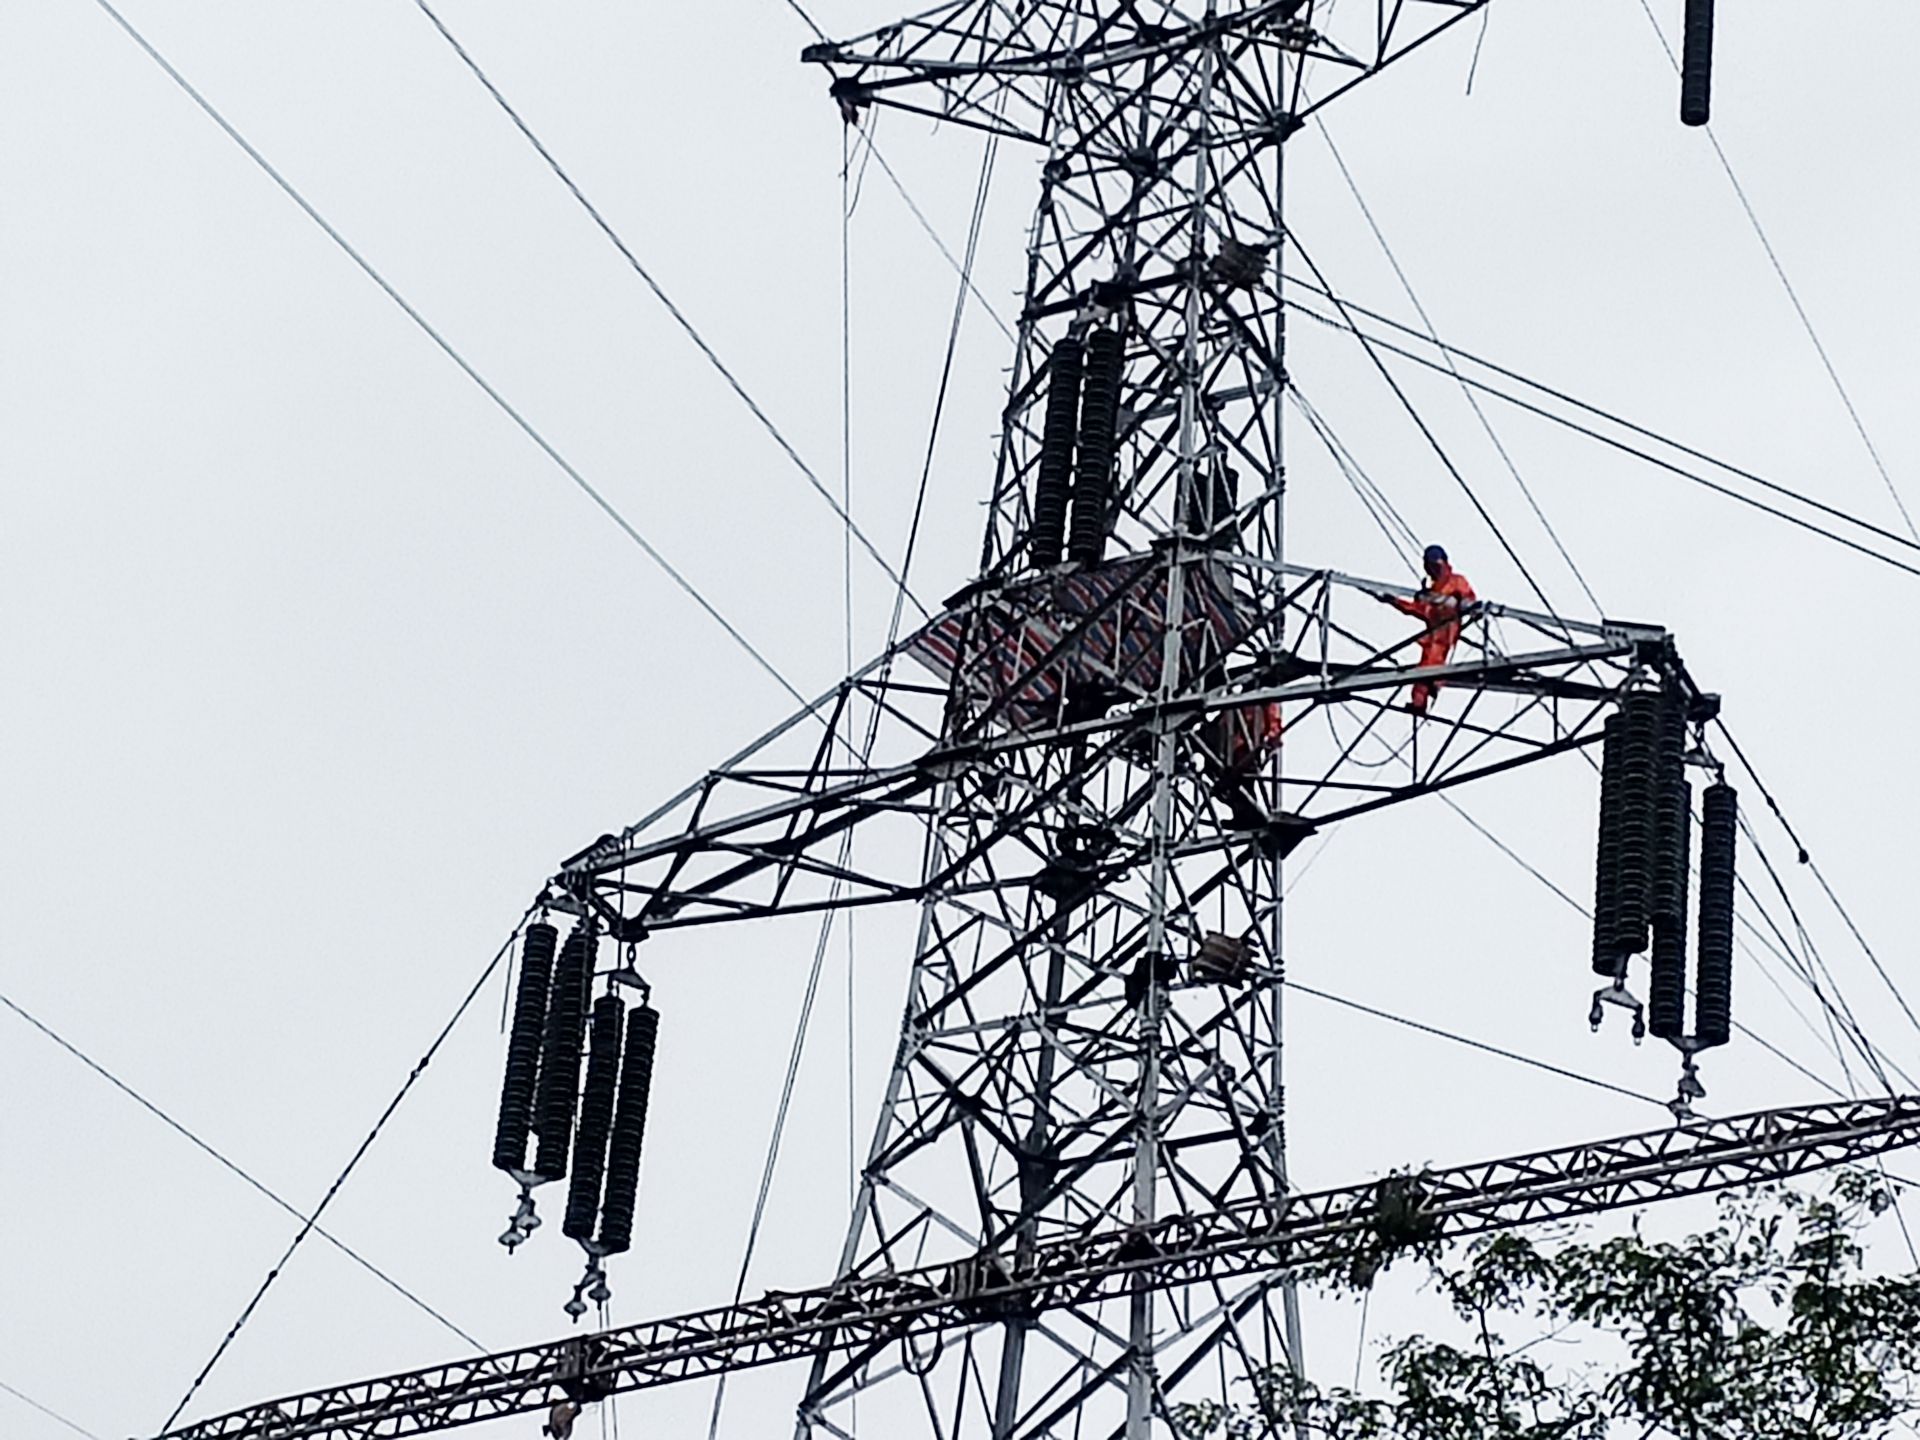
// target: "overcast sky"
[[316, 665]]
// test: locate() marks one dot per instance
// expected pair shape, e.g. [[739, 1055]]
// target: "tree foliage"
[[1769, 1326]]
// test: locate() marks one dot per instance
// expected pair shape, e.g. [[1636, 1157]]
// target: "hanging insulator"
[[1673, 816], [1056, 454], [629, 1129], [523, 1047], [1093, 471], [1667, 989], [596, 1117], [1713, 980], [1628, 815], [1696, 63], [559, 1091], [1606, 870]]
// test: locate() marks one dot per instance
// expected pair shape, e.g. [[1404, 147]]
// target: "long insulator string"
[[518, 1084], [596, 1117]]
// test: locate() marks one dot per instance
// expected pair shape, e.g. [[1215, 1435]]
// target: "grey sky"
[[315, 665]]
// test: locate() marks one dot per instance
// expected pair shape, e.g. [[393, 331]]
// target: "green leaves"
[[1768, 1326]]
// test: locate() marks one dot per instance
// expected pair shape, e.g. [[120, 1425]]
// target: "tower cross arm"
[[1005, 67], [1356, 1228]]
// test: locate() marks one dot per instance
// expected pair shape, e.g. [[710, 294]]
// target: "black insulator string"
[[526, 427], [1375, 342], [1793, 296], [1587, 914], [152, 1109], [679, 316], [308, 1225]]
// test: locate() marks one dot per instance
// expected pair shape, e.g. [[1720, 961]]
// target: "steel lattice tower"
[[1093, 1031], [1086, 771]]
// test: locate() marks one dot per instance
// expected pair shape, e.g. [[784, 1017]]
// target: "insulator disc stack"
[[1056, 453], [523, 1047], [596, 1117], [1628, 824], [1099, 421], [1713, 979], [1672, 822], [1667, 989], [1606, 870], [1696, 63], [629, 1129], [559, 1091]]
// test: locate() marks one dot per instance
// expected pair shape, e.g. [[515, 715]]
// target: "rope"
[[308, 1225], [803, 1022], [185, 1133], [1372, 498], [679, 316]]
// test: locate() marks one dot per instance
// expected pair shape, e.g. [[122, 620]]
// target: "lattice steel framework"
[[1071, 770], [1086, 772], [866, 1319]]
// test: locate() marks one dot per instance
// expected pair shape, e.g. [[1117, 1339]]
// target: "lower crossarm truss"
[[868, 1313]]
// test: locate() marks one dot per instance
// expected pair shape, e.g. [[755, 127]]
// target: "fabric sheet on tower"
[[595, 1131], [1642, 870]]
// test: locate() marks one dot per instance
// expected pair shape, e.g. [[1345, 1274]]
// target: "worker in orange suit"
[[1439, 604]]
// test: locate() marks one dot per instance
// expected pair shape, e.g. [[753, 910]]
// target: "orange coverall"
[[1438, 604]]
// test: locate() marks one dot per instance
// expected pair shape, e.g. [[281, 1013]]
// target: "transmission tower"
[[1086, 772]]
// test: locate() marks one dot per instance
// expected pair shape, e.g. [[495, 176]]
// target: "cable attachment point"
[[592, 1287], [1689, 1090], [525, 1219], [1618, 994]]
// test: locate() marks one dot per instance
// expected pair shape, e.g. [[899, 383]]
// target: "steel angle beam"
[[1370, 1221]]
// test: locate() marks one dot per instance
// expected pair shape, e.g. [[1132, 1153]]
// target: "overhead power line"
[[187, 1134], [526, 426], [1597, 411], [1473, 1044], [679, 316], [1374, 344], [1473, 403], [46, 1410], [1793, 296], [1433, 441], [309, 1224]]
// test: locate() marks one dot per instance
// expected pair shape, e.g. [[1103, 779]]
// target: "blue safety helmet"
[[1435, 552]]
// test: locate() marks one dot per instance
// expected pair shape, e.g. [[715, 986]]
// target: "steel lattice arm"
[[1364, 1223], [997, 67], [764, 833]]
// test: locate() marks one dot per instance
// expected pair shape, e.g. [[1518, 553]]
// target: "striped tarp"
[[1025, 650]]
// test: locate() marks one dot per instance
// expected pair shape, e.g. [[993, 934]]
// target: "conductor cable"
[[679, 316], [188, 1135], [308, 1225], [426, 327]]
